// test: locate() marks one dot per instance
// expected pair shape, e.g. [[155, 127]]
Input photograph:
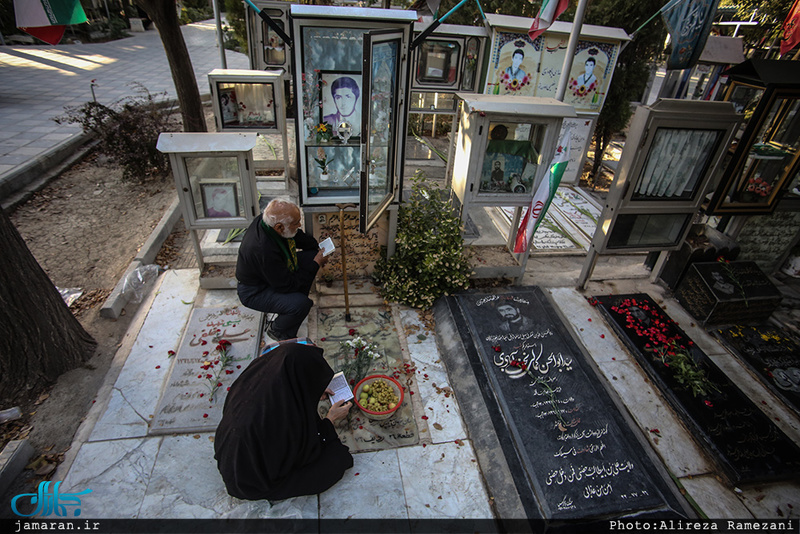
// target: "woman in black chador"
[[271, 443]]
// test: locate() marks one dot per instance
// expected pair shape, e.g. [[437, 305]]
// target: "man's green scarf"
[[290, 252]]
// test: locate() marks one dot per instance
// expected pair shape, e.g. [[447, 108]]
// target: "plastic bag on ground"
[[138, 281]]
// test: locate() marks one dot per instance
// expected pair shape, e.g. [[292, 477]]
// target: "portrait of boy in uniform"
[[341, 100]]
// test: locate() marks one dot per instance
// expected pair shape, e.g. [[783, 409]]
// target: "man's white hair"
[[278, 211]]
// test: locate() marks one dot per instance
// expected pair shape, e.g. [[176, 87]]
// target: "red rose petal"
[[158, 367], [205, 415], [425, 417]]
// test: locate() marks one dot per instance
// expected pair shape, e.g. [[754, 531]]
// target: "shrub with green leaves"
[[128, 131], [429, 260]]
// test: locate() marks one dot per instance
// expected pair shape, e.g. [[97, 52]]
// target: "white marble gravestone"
[[195, 389]]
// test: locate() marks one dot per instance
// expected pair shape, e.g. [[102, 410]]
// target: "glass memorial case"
[[245, 100], [214, 177], [266, 47], [449, 59], [766, 160], [350, 84], [503, 147], [673, 152]]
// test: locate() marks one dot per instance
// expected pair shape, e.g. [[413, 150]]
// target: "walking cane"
[[343, 247]]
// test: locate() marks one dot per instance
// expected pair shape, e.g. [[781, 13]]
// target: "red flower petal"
[[322, 339], [425, 417], [158, 367], [352, 331], [602, 335], [205, 415]]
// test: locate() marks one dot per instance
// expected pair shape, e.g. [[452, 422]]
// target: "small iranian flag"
[[47, 19], [548, 13], [544, 195]]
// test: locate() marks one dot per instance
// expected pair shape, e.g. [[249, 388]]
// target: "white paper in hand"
[[327, 246], [340, 387]]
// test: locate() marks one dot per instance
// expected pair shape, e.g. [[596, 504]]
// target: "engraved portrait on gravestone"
[[513, 320]]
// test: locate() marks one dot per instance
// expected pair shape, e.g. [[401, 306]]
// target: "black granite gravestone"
[[773, 356], [728, 293], [748, 447], [573, 448]]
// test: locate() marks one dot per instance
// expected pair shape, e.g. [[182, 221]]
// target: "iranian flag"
[[548, 13], [47, 19], [544, 195]]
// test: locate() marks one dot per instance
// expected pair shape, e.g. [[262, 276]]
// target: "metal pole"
[[220, 39], [577, 24], [343, 246]]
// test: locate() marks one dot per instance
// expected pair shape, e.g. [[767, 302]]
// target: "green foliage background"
[[429, 260]]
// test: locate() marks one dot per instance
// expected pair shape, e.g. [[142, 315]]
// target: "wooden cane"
[[343, 246]]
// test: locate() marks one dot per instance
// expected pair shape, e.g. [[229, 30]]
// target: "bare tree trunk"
[[601, 143], [165, 17], [39, 337]]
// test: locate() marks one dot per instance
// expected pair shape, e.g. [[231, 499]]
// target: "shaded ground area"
[[84, 229]]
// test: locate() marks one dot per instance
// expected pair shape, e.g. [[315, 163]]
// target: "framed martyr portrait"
[[340, 94], [220, 199]]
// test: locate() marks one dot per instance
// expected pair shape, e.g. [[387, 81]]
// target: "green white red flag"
[[544, 195], [47, 19], [791, 28], [548, 13]]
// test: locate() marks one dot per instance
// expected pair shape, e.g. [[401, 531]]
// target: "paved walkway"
[[38, 81]]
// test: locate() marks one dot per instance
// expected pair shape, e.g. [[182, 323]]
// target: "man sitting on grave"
[[271, 442], [273, 276]]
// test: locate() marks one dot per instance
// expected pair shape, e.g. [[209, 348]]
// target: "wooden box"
[[728, 293]]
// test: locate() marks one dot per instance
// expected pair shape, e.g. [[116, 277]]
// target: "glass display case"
[[214, 177], [673, 151], [253, 101], [246, 100], [766, 159], [267, 49], [350, 82], [449, 59], [501, 145]]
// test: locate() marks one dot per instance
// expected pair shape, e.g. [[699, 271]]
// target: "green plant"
[[117, 28], [685, 370], [128, 131], [357, 355], [234, 13], [429, 259], [322, 161]]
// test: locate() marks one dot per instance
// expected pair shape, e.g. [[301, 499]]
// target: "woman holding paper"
[[271, 443]]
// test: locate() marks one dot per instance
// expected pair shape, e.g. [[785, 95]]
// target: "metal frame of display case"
[[271, 83], [332, 43], [479, 153], [266, 49], [460, 49], [237, 188], [766, 160], [673, 151]]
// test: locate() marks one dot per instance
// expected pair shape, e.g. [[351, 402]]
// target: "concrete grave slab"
[[195, 389], [374, 325]]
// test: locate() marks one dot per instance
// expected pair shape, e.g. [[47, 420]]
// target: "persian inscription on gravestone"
[[373, 325], [362, 249], [573, 442], [200, 377], [773, 356]]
